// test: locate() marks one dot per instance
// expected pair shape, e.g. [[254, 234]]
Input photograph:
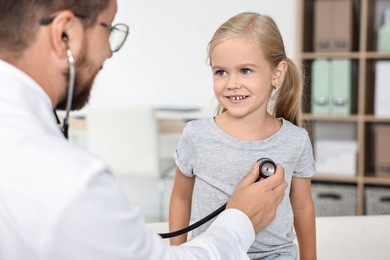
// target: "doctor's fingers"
[[280, 191], [275, 180], [251, 177]]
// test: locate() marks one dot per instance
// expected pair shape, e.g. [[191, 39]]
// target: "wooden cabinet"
[[363, 55]]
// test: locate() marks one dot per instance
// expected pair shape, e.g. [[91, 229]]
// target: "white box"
[[382, 88], [336, 157]]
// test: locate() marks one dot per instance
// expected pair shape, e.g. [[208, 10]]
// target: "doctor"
[[56, 200]]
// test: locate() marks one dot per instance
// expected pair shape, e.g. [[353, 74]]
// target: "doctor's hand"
[[259, 200]]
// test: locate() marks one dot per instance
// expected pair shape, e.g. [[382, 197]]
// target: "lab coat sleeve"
[[99, 223], [228, 237]]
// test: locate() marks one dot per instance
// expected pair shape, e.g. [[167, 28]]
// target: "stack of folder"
[[333, 22], [382, 89], [331, 90]]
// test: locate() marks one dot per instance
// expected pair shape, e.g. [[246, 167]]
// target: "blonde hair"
[[287, 101]]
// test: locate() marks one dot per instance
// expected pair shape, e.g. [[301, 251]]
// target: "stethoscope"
[[72, 74], [267, 167]]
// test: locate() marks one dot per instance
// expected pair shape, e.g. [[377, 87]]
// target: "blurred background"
[[160, 80]]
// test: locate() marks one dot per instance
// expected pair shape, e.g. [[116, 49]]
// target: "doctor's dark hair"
[[287, 101], [20, 18]]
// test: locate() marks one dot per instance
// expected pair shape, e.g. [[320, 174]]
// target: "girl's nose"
[[233, 82]]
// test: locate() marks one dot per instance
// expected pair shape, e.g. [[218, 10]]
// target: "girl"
[[259, 92]]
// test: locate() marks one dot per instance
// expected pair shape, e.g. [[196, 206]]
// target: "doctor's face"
[[95, 51]]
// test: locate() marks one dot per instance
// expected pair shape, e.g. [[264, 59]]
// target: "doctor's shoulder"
[[72, 160]]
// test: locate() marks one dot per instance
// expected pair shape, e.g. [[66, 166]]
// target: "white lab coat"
[[57, 201]]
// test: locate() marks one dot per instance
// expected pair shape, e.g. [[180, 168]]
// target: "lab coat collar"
[[20, 90]]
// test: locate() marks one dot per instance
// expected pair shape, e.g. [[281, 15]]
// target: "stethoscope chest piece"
[[267, 167]]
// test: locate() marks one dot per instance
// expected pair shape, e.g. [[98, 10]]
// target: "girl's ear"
[[279, 73]]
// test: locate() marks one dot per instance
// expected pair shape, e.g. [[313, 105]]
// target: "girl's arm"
[[304, 217], [180, 205]]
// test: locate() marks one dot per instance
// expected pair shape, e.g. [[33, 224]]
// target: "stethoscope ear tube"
[[267, 167], [72, 75]]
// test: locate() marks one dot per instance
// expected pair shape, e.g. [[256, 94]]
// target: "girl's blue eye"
[[246, 71], [220, 73]]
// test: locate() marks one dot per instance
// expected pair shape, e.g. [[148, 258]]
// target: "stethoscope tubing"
[[267, 167]]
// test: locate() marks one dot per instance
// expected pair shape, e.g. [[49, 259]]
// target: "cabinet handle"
[[385, 199], [340, 101], [332, 196], [321, 101]]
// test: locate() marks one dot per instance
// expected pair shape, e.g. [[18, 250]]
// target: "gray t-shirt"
[[219, 162]]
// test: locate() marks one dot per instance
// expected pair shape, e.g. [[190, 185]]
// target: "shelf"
[[376, 55], [376, 119], [335, 178], [364, 56], [331, 118], [348, 55], [342, 118], [329, 55], [377, 181]]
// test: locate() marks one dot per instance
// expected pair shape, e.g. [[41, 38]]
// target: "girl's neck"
[[248, 128]]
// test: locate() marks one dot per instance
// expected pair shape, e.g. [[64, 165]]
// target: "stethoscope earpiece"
[[65, 37]]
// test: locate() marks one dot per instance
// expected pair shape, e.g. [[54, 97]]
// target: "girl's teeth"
[[238, 98]]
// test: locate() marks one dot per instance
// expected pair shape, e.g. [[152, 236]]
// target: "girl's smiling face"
[[242, 77]]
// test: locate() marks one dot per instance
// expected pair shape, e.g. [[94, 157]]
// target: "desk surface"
[[345, 238], [183, 113], [171, 119], [357, 237]]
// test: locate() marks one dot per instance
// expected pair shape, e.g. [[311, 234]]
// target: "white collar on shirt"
[[20, 90]]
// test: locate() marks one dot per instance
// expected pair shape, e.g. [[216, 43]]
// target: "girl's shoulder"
[[293, 130], [199, 124], [198, 127]]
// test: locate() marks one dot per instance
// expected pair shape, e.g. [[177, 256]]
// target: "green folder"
[[341, 86], [320, 87]]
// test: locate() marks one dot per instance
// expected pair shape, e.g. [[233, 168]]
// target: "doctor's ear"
[[67, 32]]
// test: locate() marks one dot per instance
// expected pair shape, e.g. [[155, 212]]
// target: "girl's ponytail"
[[287, 101]]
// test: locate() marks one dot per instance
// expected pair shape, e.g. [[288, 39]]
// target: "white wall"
[[163, 61]]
